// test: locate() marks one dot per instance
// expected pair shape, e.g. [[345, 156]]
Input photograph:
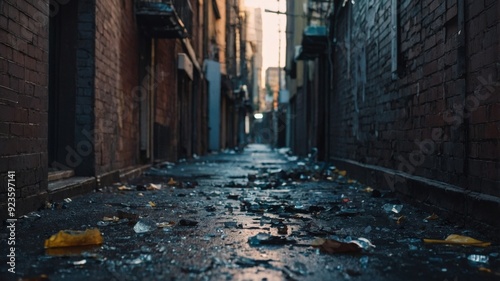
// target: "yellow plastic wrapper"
[[70, 238], [455, 239]]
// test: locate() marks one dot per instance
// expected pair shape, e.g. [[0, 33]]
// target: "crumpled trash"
[[165, 224], [70, 238], [368, 189], [125, 188], [111, 219], [331, 246], [153, 186], [392, 208], [455, 239], [172, 182]]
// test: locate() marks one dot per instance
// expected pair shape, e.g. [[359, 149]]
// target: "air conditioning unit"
[[184, 63]]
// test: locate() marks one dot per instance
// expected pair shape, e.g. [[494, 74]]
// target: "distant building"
[[254, 53], [273, 84]]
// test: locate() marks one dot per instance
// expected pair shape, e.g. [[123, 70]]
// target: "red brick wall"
[[415, 124], [23, 99], [116, 75]]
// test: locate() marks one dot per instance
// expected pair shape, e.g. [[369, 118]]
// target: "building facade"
[[410, 94], [94, 91]]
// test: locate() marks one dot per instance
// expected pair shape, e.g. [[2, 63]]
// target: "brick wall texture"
[[440, 119], [23, 96], [166, 100], [116, 104]]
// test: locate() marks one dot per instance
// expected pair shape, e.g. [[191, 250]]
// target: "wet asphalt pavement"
[[246, 216]]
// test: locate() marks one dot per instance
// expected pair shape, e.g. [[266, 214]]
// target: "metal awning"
[[314, 42], [160, 19]]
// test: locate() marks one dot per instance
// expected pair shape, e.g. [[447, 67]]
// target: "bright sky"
[[270, 24]]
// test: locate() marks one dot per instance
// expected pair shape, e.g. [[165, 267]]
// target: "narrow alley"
[[249, 140], [256, 215]]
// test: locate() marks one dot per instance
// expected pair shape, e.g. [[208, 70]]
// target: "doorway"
[[63, 38]]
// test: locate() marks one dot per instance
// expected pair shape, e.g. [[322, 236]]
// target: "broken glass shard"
[[392, 208], [478, 259], [144, 225]]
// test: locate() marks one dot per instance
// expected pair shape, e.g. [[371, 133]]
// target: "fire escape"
[[315, 36], [165, 18]]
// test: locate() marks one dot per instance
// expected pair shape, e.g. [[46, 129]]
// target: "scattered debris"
[[267, 239], [153, 187], [368, 189], [172, 182], [432, 217], [248, 262], [392, 208], [144, 225], [230, 224], [282, 229], [210, 208], [401, 220], [455, 239], [165, 224], [233, 196], [330, 246], [475, 259], [69, 238], [80, 262]]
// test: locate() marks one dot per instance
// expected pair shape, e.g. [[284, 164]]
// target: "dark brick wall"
[[23, 98], [167, 102], [116, 77], [447, 63]]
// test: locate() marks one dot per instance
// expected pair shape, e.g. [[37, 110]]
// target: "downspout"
[[152, 99]]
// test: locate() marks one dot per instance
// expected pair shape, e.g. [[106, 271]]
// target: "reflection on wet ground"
[[256, 215]]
